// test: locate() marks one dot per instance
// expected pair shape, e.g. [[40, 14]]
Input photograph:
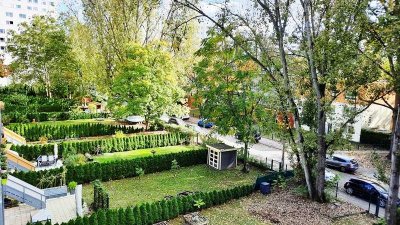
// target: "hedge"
[[118, 169], [31, 152], [150, 213], [15, 117], [101, 198], [33, 131], [375, 138]]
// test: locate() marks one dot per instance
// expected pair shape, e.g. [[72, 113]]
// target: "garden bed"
[[153, 187], [282, 207], [108, 157]]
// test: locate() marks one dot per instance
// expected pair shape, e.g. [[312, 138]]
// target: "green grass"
[[154, 187], [234, 212], [143, 153]]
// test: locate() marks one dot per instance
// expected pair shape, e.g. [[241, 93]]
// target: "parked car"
[[368, 190], [205, 123], [257, 136], [183, 117], [342, 163], [329, 176], [177, 121]]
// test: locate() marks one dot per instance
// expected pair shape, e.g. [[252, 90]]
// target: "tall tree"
[[327, 67], [146, 84], [231, 90], [42, 55]]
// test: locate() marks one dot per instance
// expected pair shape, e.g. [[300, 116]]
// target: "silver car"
[[342, 163]]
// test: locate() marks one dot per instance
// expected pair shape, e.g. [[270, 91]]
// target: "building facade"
[[15, 12]]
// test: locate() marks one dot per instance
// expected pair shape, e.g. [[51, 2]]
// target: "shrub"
[[375, 138], [72, 185], [75, 160], [117, 169], [101, 199]]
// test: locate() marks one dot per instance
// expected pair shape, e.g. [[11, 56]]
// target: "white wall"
[[18, 11], [338, 118]]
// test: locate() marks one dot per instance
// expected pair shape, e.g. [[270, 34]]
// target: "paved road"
[[271, 149]]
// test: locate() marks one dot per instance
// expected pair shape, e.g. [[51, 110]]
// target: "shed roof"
[[222, 147]]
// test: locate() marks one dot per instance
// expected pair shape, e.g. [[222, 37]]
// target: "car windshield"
[[353, 161], [379, 188]]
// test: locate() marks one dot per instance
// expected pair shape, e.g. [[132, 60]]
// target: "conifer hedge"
[[150, 213], [33, 131], [101, 198], [31, 152], [118, 169]]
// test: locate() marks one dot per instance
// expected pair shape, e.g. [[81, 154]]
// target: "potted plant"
[[71, 187]]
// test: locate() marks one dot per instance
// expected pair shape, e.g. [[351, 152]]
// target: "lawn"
[[107, 157], [153, 187]]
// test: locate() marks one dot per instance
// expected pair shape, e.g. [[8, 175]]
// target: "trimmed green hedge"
[[33, 131], [118, 169], [150, 213], [31, 152], [15, 117], [375, 138]]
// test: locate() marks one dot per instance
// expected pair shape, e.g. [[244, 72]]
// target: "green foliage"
[[48, 56], [147, 84], [101, 198], [280, 182], [228, 83], [74, 160], [139, 172], [3, 161], [199, 203], [31, 152], [378, 139], [33, 131], [116, 169], [380, 165], [72, 185], [175, 165]]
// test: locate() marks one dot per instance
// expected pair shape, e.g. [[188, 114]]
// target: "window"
[[2, 39], [2, 47], [52, 3], [23, 16], [2, 31], [18, 6], [9, 14], [29, 7], [43, 3], [35, 1], [10, 22], [350, 129]]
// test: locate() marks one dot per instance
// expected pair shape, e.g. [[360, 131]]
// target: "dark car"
[[177, 121], [368, 190], [204, 123], [342, 163], [257, 136]]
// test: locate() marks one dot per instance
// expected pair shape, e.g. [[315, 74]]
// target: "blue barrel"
[[265, 188]]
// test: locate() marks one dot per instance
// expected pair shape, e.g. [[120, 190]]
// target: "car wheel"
[[343, 169], [382, 203], [349, 191]]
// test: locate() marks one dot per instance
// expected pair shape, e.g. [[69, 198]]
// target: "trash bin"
[[265, 188]]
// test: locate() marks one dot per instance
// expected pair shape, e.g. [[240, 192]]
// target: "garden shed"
[[221, 156]]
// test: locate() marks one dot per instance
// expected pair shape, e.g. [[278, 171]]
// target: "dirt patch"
[[285, 207]]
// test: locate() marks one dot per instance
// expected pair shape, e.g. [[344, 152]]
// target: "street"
[[272, 150]]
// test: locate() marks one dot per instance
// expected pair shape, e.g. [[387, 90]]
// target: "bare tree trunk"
[[245, 157], [319, 90], [391, 205]]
